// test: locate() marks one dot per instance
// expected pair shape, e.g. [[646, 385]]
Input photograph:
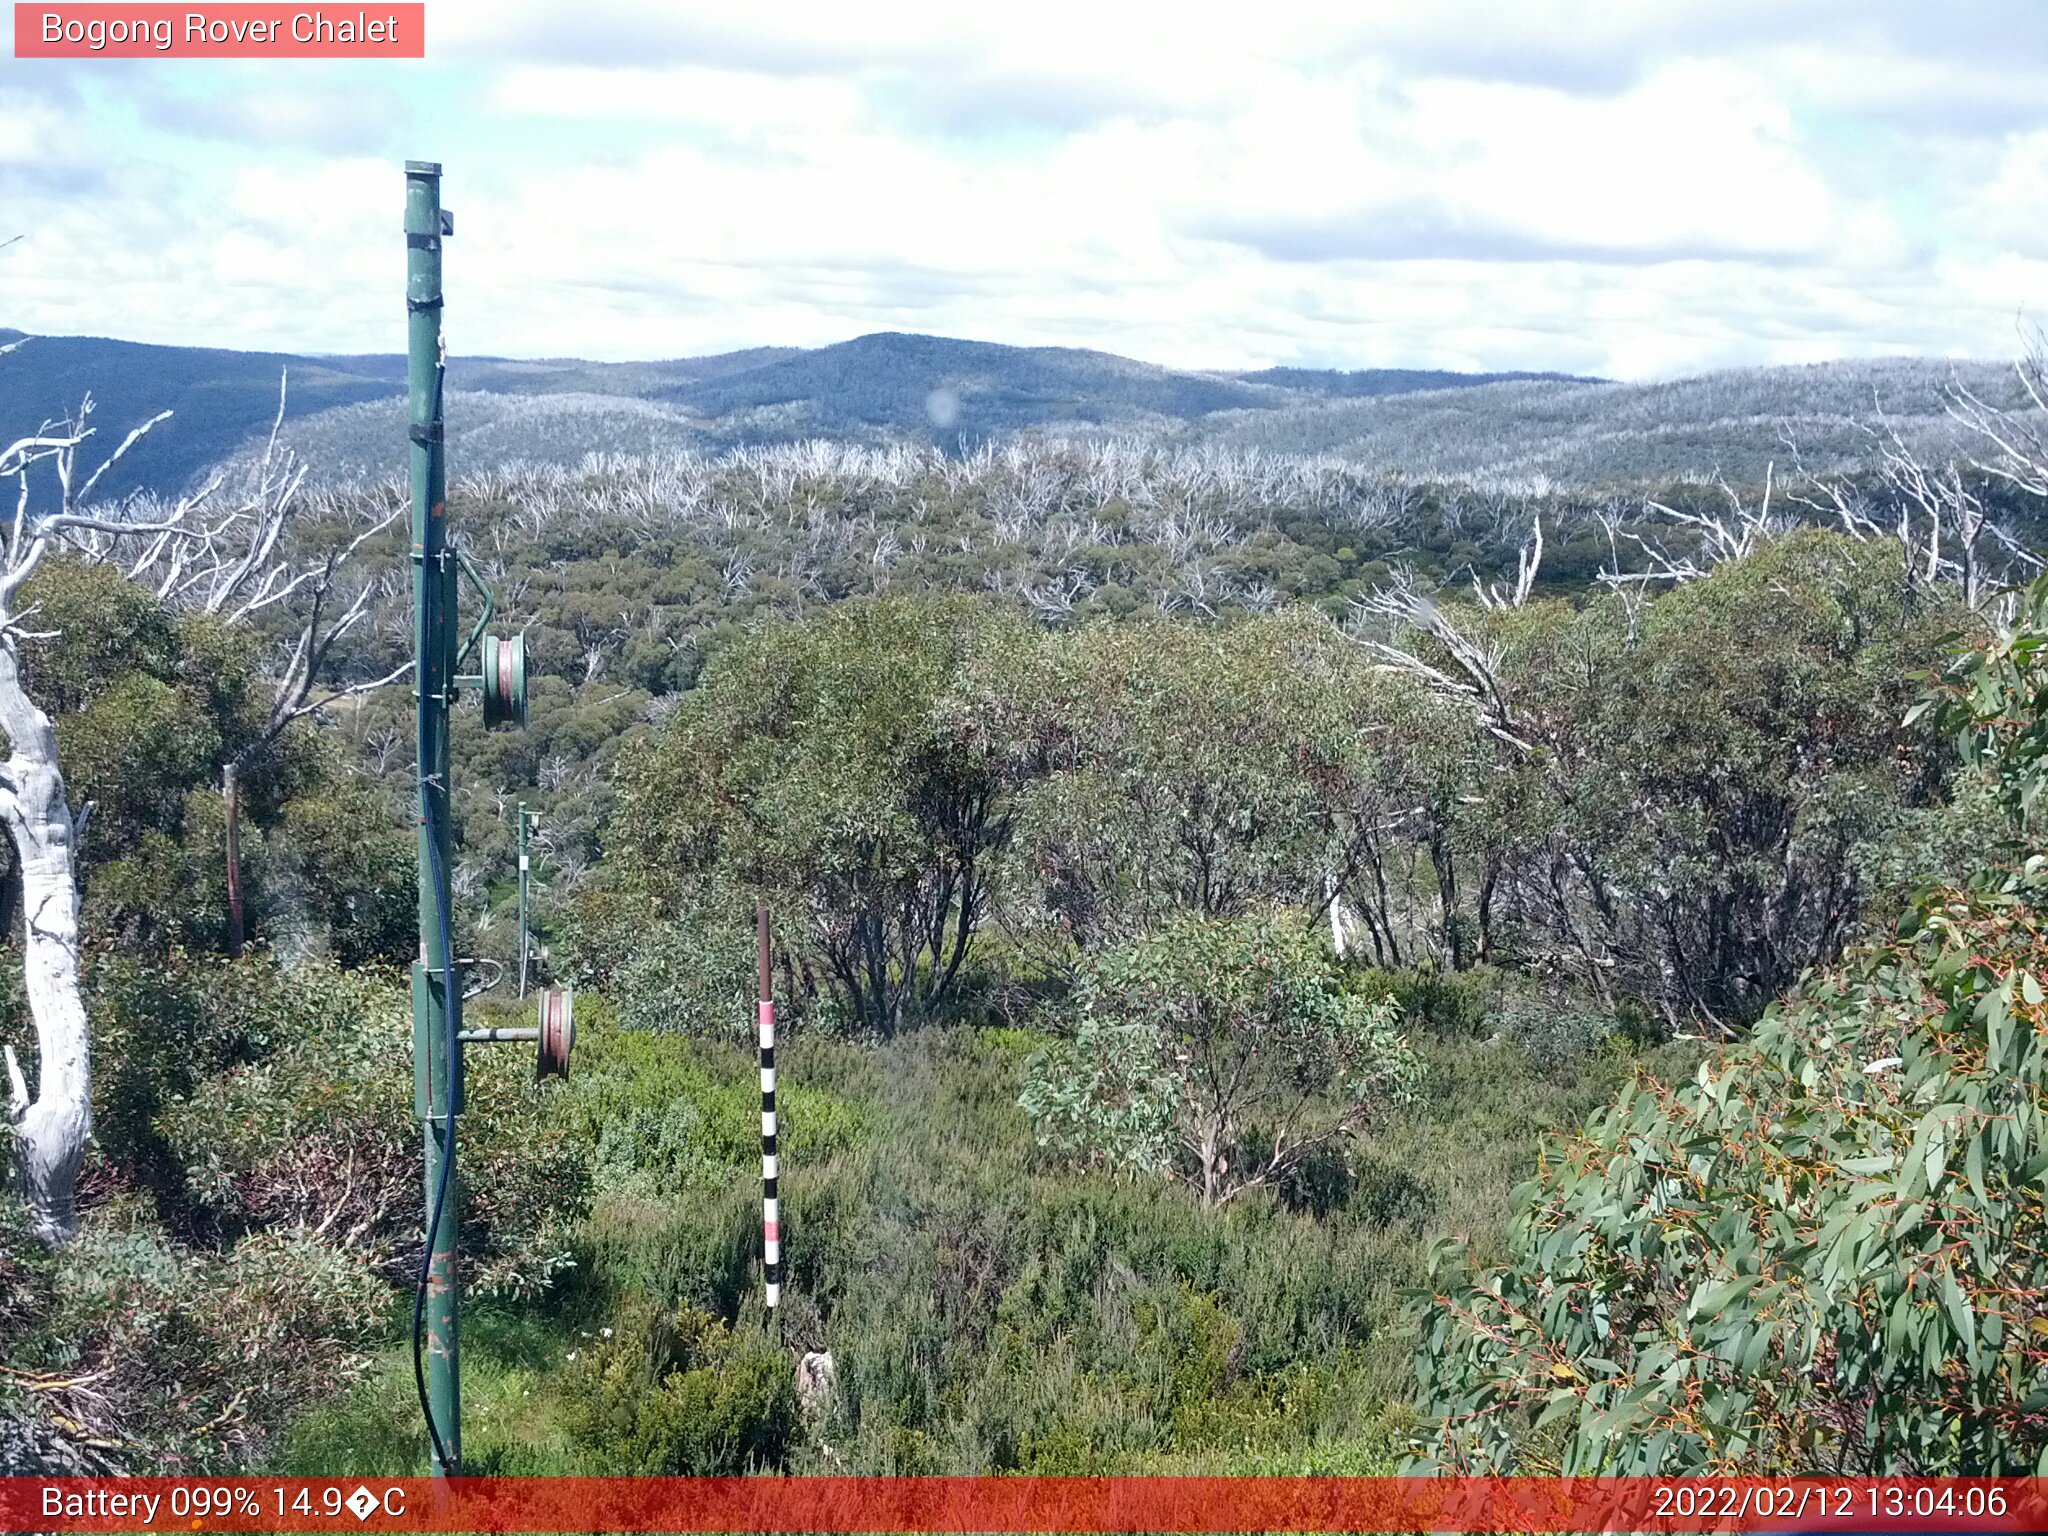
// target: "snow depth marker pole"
[[771, 1220], [528, 952]]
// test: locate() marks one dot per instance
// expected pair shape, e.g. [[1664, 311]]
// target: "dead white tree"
[[1528, 560], [256, 565], [53, 1125], [1716, 538], [1934, 509], [1946, 532], [1465, 668], [198, 553]]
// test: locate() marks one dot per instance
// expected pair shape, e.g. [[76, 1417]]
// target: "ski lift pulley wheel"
[[504, 668], [557, 1032]]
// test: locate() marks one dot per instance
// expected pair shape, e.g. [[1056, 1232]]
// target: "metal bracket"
[[490, 605]]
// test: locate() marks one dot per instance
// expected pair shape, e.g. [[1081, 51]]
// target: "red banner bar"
[[1015, 1504], [373, 30]]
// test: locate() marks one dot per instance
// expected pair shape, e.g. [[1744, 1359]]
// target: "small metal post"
[[525, 938]]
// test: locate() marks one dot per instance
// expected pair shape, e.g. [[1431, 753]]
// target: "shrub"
[[349, 869], [1830, 1251], [1560, 1033], [1823, 1254], [315, 1129], [661, 1114], [693, 975], [681, 1394], [1452, 1005], [199, 1359], [1222, 1050]]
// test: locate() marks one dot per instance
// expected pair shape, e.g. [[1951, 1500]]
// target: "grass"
[[989, 1308], [511, 1357]]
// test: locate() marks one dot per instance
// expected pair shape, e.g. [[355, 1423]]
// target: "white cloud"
[[1692, 161], [2007, 209], [30, 130], [735, 103], [1573, 184]]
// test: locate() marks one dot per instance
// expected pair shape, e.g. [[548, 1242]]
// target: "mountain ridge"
[[346, 415], [892, 382]]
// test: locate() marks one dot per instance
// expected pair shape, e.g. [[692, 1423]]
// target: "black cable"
[[448, 996], [419, 1302]]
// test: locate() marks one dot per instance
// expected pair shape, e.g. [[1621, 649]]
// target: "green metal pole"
[[525, 943], [437, 996]]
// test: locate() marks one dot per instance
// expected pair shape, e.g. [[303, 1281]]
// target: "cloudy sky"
[[1637, 188]]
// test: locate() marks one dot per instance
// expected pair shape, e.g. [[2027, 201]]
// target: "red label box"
[[373, 30], [380, 1506]]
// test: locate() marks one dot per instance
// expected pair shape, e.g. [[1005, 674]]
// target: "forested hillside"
[[1244, 922], [887, 387], [1516, 431]]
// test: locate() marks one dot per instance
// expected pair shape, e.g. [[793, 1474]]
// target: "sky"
[[1633, 188]]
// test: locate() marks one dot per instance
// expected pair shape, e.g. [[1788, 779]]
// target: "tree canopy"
[[1825, 1253]]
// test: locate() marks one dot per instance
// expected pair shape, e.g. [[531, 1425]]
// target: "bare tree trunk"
[[1489, 880], [10, 891], [1444, 859], [1386, 911], [231, 793], [51, 1130], [1340, 920]]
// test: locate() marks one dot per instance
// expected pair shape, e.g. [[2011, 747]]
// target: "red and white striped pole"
[[771, 1220]]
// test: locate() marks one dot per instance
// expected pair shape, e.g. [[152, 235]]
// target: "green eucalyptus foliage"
[[827, 769], [1221, 1050], [1992, 699], [1822, 1254], [1716, 778], [1170, 767], [344, 867], [1829, 1252], [148, 706], [694, 974]]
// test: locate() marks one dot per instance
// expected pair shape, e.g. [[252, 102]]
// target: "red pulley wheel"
[[504, 680], [557, 1032]]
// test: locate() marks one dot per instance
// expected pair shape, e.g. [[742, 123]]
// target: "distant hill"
[[1341, 384], [1734, 423], [347, 412], [889, 385], [219, 398]]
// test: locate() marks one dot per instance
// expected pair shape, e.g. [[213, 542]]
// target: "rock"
[[31, 1447], [814, 1380]]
